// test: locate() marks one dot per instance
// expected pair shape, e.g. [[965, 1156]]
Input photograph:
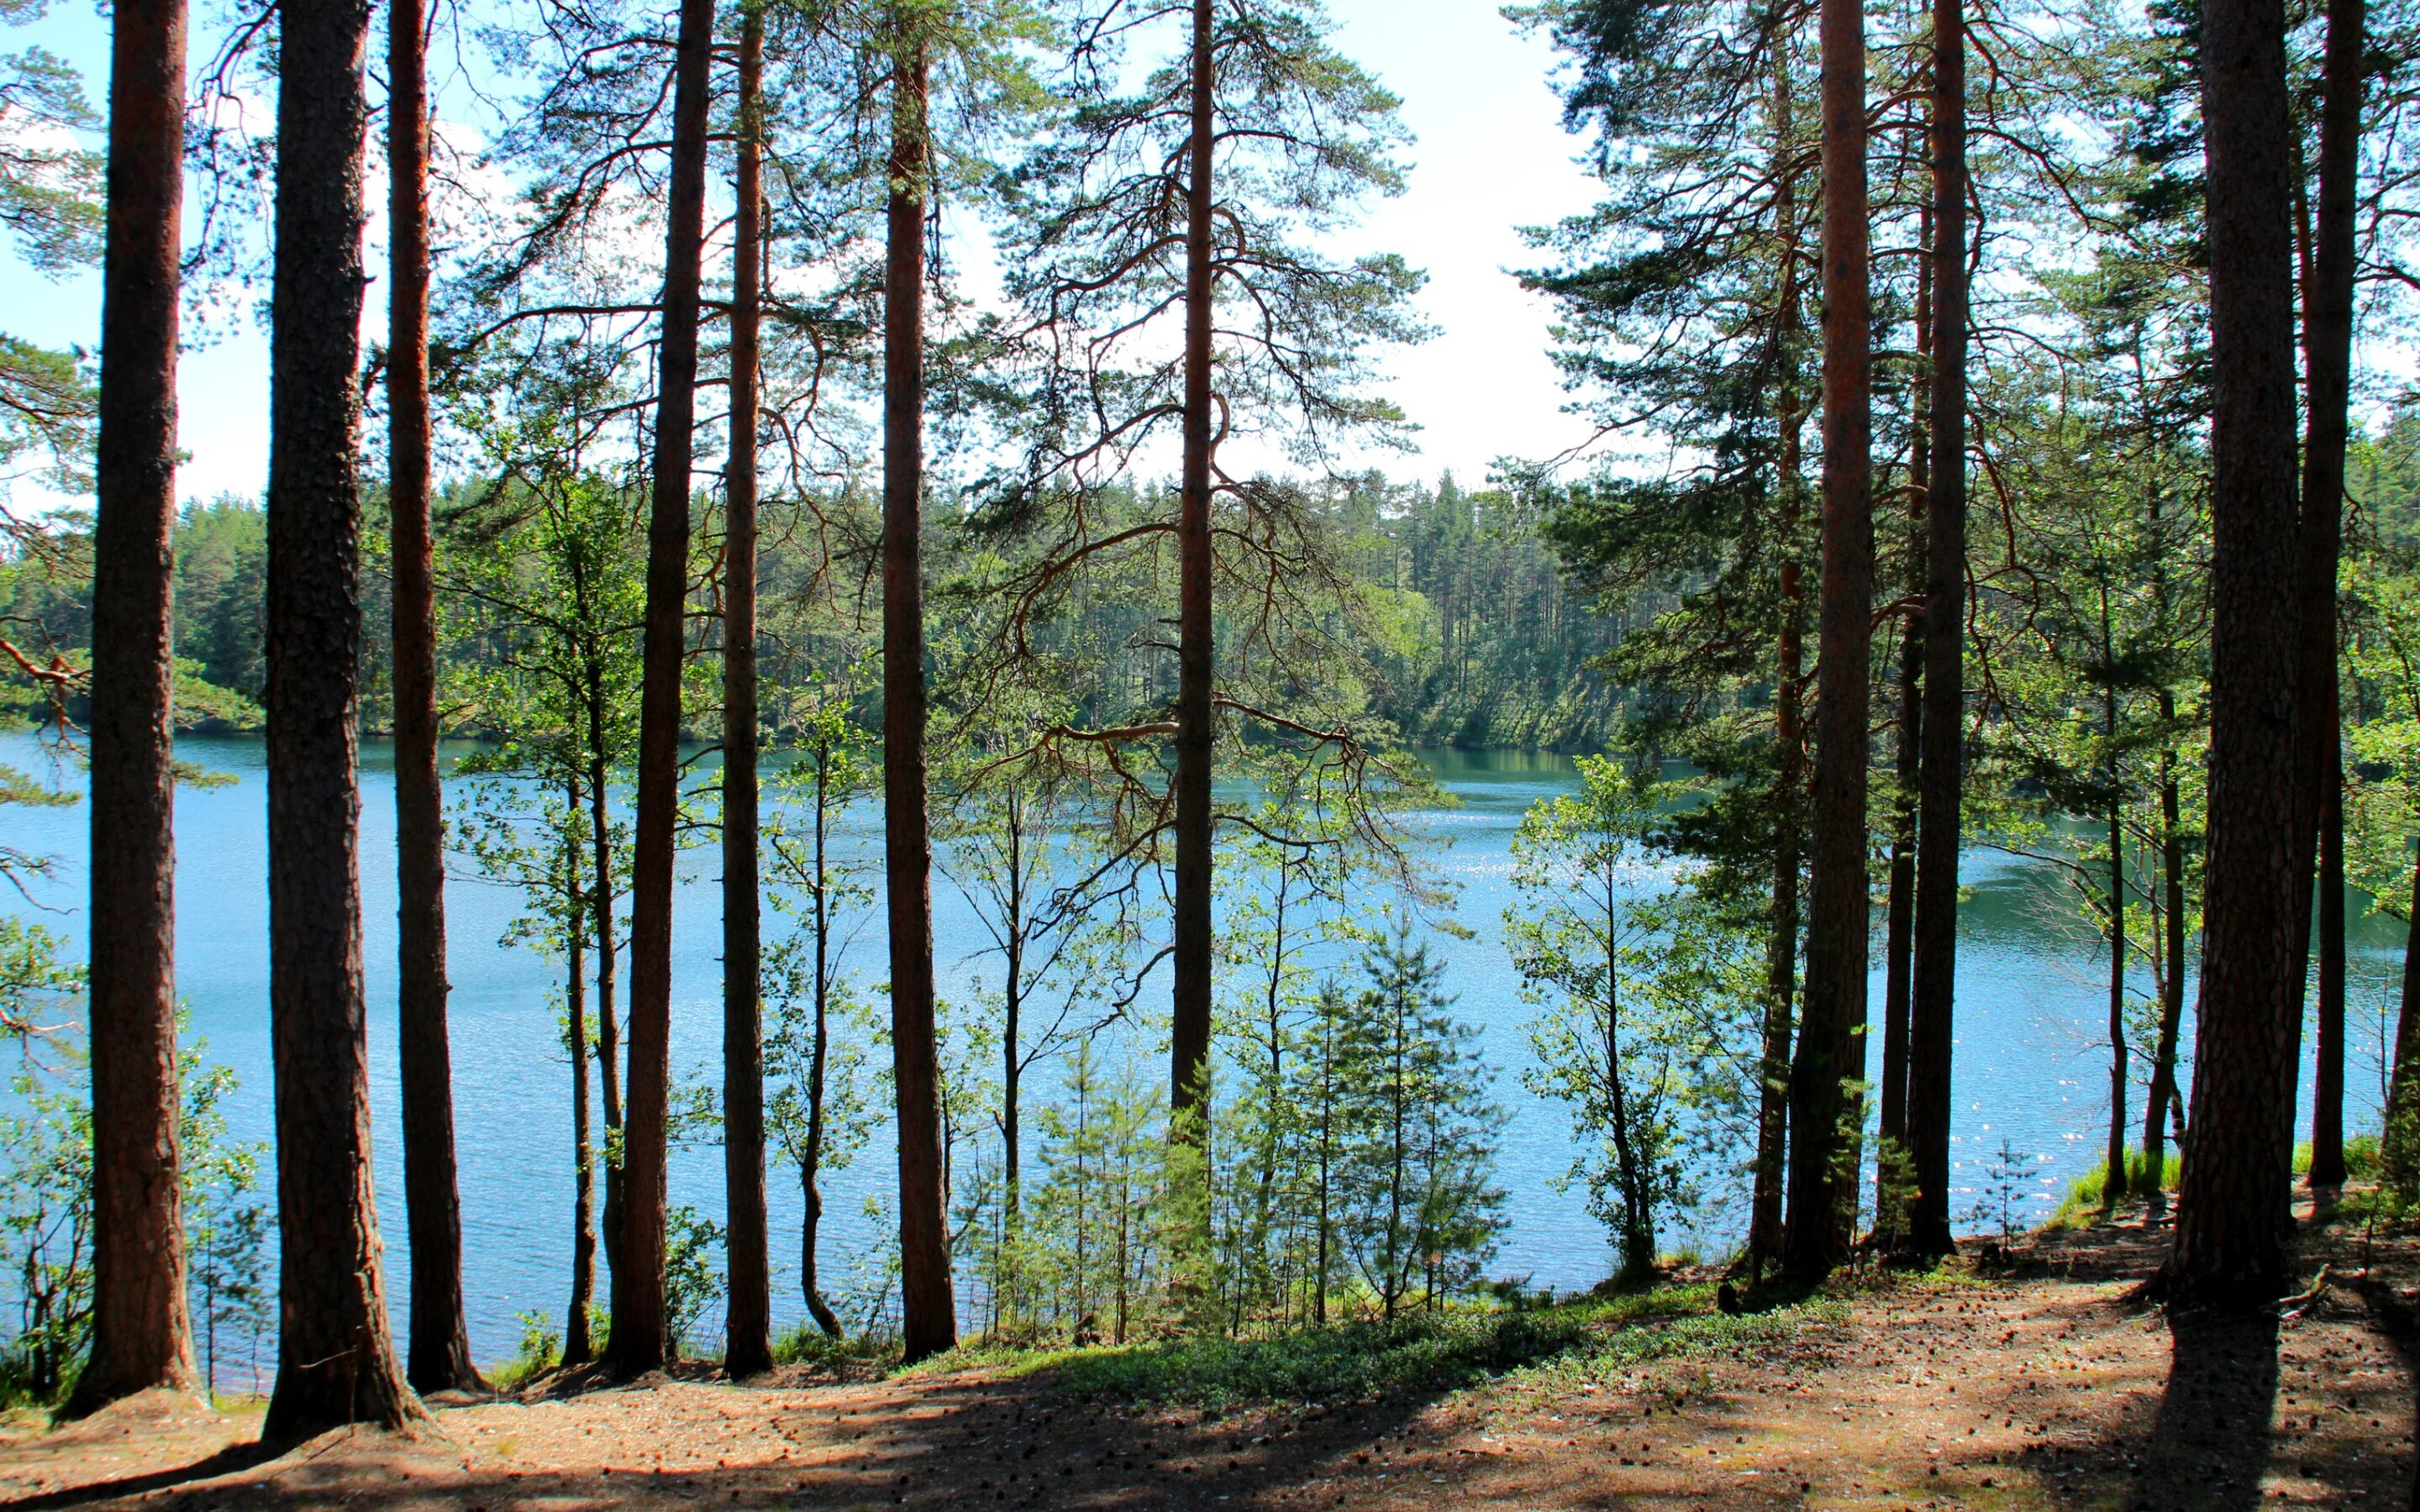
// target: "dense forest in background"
[[1486, 644]]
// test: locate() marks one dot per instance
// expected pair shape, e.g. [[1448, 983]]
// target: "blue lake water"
[[2031, 1067]]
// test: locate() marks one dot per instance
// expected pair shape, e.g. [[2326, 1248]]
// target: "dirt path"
[[2045, 1389]]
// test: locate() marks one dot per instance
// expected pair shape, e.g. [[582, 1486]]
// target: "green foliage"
[[691, 1282], [46, 1183], [1653, 997], [2083, 1202], [2008, 1183], [540, 1350], [1425, 1352], [1414, 1130]]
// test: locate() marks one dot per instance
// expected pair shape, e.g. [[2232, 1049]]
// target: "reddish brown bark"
[[748, 1346], [1940, 778], [336, 1359], [929, 1320], [2327, 344], [142, 1336], [640, 1339], [439, 1355], [2232, 1219], [1832, 1035], [1191, 965]]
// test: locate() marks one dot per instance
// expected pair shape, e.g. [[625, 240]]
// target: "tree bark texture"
[[142, 1335], [439, 1353], [1940, 781], [640, 1339], [2327, 346], [928, 1308], [2232, 1223], [747, 1345], [1831, 1040], [1196, 740], [335, 1358]]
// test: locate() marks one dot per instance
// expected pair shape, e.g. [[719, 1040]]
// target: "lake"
[[2030, 1069]]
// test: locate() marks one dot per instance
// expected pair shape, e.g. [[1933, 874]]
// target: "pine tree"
[[336, 1362], [142, 1335]]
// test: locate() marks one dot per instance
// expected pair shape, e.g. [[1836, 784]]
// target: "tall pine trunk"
[[1831, 1040], [439, 1353], [1940, 778], [335, 1358], [641, 1340], [928, 1310], [747, 1347], [2327, 344], [1788, 732], [1190, 1028], [142, 1335], [2233, 1219]]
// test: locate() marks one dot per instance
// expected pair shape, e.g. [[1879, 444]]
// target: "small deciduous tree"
[[1585, 925]]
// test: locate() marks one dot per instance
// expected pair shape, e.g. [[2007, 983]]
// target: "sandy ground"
[[2043, 1388]]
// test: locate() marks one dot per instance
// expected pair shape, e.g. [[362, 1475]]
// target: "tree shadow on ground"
[[235, 1457], [2211, 1442]]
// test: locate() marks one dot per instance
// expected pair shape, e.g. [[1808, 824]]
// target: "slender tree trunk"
[[2233, 1220], [640, 1340], [439, 1347], [2327, 337], [2328, 1091], [142, 1335], [2112, 1181], [1900, 935], [335, 1357], [929, 1311], [818, 1062], [578, 1346], [748, 1347], [2398, 1154], [2172, 984], [1189, 1029], [1789, 736], [1831, 1043], [608, 1021], [1942, 778]]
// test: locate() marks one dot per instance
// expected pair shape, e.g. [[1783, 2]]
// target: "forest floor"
[[2037, 1384]]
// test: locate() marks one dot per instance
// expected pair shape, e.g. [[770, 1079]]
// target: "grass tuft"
[[1415, 1353]]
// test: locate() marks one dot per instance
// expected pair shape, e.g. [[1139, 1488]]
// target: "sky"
[[1490, 156]]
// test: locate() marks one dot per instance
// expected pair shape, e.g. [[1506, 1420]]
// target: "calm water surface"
[[2030, 1066]]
